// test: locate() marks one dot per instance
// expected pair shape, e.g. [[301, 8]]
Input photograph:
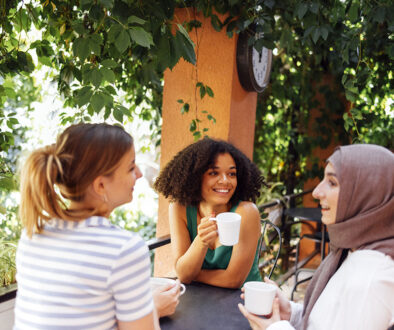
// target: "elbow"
[[235, 281], [182, 276]]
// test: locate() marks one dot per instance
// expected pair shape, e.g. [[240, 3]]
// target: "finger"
[[209, 236], [242, 296], [267, 280], [275, 307], [205, 219], [252, 318], [243, 289]]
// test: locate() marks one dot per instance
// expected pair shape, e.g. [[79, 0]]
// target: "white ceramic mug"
[[161, 281], [259, 297], [229, 224]]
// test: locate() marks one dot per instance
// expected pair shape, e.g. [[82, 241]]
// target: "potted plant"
[[7, 283]]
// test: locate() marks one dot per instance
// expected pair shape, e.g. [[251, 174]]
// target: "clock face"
[[260, 62], [253, 67]]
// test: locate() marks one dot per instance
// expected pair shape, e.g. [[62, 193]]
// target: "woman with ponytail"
[[353, 288], [75, 270]]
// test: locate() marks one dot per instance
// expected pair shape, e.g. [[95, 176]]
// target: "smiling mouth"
[[222, 191]]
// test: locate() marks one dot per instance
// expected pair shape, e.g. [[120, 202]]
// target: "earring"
[[105, 198]]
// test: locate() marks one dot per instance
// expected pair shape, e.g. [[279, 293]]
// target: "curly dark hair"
[[181, 178]]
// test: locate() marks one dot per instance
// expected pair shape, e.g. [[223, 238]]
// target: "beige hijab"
[[365, 212]]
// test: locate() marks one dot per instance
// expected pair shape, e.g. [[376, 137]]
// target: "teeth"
[[222, 190]]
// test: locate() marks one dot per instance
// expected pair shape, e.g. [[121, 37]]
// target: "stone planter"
[[7, 302]]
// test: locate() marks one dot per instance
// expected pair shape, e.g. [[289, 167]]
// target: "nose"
[[138, 172], [317, 192], [223, 178]]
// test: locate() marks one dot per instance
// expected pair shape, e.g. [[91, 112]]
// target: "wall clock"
[[254, 68]]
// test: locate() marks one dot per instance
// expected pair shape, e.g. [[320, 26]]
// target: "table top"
[[207, 307]]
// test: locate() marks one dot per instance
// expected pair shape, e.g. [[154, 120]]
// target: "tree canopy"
[[100, 49]]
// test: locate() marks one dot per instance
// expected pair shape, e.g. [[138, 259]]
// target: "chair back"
[[269, 232]]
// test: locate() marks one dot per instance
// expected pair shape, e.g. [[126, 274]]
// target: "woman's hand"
[[207, 230], [166, 298], [260, 323], [284, 303]]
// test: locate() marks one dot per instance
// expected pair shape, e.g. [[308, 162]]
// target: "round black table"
[[205, 307]]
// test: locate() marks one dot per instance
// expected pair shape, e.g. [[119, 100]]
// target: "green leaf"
[[185, 47], [314, 6], [324, 32], [182, 30], [210, 117], [216, 24], [83, 96], [379, 15], [353, 12], [197, 135], [140, 36], [202, 92], [122, 41], [97, 102], [81, 48], [185, 108], [94, 47], [135, 19], [301, 9], [209, 91], [109, 63], [7, 183], [110, 90], [315, 34], [114, 32], [118, 115], [193, 125], [78, 27], [10, 92], [108, 74], [96, 77], [180, 101], [106, 3]]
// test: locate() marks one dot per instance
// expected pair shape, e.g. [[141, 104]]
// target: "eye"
[[332, 183], [132, 168], [232, 174], [212, 173]]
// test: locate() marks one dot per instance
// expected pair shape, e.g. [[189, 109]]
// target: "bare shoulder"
[[177, 211], [248, 208]]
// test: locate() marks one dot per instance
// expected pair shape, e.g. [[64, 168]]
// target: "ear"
[[98, 186]]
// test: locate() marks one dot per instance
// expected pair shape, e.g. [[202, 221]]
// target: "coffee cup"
[[157, 282], [229, 224], [259, 297]]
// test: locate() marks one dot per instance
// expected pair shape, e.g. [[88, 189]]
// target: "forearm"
[[189, 265], [221, 277]]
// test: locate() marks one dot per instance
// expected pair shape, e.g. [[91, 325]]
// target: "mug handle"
[[183, 289]]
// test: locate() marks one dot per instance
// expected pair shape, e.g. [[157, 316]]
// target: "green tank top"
[[219, 258]]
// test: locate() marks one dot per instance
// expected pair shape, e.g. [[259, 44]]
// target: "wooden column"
[[233, 108]]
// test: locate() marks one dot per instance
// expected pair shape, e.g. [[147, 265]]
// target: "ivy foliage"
[[331, 83], [108, 57]]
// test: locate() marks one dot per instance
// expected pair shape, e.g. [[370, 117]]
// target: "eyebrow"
[[215, 167], [331, 174]]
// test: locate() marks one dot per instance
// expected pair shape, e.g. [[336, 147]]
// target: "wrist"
[[200, 242]]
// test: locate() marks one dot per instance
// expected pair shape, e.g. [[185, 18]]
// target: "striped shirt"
[[81, 275]]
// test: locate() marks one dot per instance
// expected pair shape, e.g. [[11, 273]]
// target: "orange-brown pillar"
[[233, 108]]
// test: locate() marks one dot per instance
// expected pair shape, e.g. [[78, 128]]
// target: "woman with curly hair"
[[204, 179]]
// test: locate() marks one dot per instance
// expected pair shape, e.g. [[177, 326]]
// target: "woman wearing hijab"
[[353, 288]]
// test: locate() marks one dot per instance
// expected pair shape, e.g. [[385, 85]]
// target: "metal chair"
[[319, 236], [265, 240]]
